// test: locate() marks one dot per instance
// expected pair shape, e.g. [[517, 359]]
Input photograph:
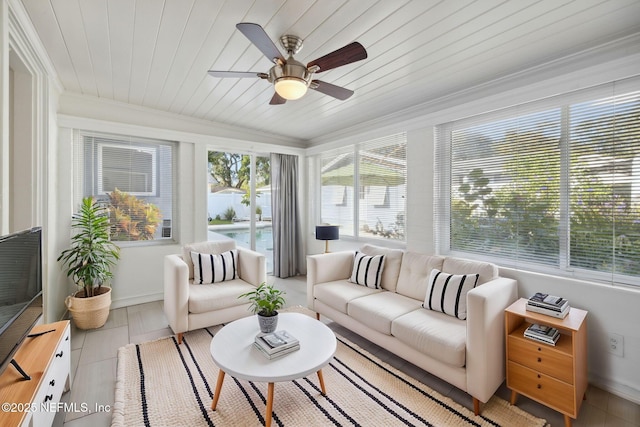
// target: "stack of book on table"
[[276, 344], [542, 333], [548, 304]]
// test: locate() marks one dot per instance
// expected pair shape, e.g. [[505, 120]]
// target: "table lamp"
[[326, 233]]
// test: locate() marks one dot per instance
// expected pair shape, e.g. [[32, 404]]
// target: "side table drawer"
[[541, 387], [541, 358]]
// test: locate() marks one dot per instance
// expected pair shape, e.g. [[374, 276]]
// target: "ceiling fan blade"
[[345, 55], [337, 92], [237, 74], [256, 34], [277, 99]]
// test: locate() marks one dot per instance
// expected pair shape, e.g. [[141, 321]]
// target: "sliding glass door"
[[239, 201]]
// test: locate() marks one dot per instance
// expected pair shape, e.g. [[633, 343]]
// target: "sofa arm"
[[327, 267], [485, 335], [176, 293], [252, 266]]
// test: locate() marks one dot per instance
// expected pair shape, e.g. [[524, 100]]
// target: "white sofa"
[[468, 354], [190, 306]]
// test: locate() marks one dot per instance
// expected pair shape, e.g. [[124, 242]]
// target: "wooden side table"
[[555, 376]]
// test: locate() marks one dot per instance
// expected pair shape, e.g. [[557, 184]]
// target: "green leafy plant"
[[132, 218], [92, 255], [229, 214], [265, 300]]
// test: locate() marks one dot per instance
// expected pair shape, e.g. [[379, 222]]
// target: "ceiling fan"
[[291, 78]]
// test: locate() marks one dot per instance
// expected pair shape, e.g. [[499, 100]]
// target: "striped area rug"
[[161, 383]]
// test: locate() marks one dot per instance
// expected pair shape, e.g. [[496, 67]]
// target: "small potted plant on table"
[[265, 302]]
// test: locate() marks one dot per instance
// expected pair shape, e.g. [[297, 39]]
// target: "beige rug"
[[160, 383]]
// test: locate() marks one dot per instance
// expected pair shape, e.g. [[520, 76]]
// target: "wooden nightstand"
[[555, 376]]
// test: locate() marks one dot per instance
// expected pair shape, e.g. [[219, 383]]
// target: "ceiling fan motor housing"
[[290, 69]]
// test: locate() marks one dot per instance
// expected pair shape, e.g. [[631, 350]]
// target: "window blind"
[[549, 186], [605, 184], [337, 181], [134, 177], [363, 188], [382, 185], [504, 187]]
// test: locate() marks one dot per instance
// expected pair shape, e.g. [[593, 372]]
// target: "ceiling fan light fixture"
[[291, 88]]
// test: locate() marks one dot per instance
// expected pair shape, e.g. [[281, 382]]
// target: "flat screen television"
[[20, 289]]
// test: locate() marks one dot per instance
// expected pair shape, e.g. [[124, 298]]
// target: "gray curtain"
[[287, 243]]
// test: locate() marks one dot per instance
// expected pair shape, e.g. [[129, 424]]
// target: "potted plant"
[[88, 262], [265, 302]]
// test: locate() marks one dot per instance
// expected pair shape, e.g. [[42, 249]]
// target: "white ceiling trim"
[[89, 107]]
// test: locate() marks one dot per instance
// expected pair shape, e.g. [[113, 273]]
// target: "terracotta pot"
[[92, 312]]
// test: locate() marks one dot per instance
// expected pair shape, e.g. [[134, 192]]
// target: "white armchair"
[[190, 306]]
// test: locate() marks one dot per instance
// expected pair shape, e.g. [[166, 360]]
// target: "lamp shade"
[[327, 232], [291, 88]]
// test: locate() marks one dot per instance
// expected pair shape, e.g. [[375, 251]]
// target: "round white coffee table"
[[233, 351]]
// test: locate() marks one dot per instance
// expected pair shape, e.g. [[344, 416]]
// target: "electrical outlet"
[[616, 344]]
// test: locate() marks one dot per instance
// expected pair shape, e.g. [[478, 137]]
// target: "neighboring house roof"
[[228, 190]]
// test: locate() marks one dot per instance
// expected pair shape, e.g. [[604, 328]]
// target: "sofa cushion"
[[486, 270], [206, 298], [434, 334], [447, 293], [214, 268], [338, 294], [213, 247], [367, 270], [392, 262], [377, 311], [414, 274]]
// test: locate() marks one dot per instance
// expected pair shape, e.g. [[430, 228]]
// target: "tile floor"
[[94, 356]]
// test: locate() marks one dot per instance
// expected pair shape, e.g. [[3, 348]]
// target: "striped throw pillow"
[[214, 268], [447, 293], [367, 270]]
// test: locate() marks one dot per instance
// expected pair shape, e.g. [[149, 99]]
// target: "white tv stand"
[[47, 360]]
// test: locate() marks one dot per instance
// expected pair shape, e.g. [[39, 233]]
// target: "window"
[[546, 188], [231, 214], [378, 170], [135, 178]]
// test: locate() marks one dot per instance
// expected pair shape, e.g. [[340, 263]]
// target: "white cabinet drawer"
[[52, 384]]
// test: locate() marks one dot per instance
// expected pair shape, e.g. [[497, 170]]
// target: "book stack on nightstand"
[[542, 333], [550, 305]]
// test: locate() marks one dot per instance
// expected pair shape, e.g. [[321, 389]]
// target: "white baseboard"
[[622, 390], [141, 299]]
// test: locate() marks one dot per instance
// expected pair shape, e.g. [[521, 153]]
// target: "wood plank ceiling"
[[156, 53]]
